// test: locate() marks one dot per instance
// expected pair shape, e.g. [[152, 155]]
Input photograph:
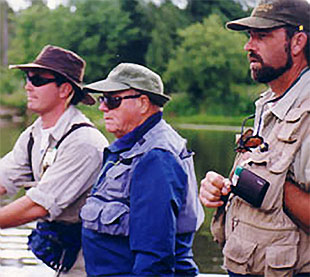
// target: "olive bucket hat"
[[64, 62], [275, 13], [129, 75]]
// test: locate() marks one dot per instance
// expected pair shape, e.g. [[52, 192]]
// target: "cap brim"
[[110, 86], [159, 99], [253, 22], [105, 86]]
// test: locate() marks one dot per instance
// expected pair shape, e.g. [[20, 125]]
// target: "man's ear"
[[65, 90], [145, 104], [298, 43]]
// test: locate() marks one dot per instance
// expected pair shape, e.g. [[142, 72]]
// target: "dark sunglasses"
[[247, 140], [115, 102], [38, 80]]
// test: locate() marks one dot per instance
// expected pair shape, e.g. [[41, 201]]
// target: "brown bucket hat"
[[65, 63], [130, 75], [275, 13]]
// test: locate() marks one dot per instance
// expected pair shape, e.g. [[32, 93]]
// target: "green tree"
[[99, 31], [210, 65], [226, 9], [137, 46], [106, 32], [36, 27], [165, 20]]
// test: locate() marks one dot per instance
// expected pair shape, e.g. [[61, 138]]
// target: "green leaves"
[[207, 64], [190, 48]]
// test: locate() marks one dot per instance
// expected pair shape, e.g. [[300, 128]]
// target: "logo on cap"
[[264, 8]]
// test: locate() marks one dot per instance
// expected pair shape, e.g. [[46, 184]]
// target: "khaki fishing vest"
[[264, 241]]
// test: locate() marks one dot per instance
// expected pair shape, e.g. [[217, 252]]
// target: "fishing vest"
[[107, 209], [264, 241]]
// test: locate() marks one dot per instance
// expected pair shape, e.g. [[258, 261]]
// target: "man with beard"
[[263, 223]]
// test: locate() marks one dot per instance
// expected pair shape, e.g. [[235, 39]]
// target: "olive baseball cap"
[[129, 75], [64, 62], [275, 13]]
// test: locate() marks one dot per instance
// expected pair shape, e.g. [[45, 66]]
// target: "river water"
[[213, 147]]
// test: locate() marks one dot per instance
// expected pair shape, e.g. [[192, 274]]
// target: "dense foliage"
[[201, 62], [211, 65]]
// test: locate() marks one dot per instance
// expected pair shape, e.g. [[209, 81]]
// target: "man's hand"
[[297, 205], [213, 186]]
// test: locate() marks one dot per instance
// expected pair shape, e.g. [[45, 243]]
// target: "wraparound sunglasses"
[[114, 102], [39, 81]]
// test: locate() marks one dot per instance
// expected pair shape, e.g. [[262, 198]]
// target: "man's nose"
[[28, 85], [250, 45], [103, 107]]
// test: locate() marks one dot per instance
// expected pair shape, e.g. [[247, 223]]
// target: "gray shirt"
[[63, 187]]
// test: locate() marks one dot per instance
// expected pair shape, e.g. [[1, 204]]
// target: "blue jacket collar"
[[128, 141]]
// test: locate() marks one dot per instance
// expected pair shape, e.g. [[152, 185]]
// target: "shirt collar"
[[284, 104], [130, 139], [62, 124]]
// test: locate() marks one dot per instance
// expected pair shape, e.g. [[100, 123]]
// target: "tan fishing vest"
[[264, 241]]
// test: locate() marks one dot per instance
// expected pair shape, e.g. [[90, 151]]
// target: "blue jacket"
[[143, 211]]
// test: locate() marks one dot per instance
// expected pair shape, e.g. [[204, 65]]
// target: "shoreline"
[[207, 127], [9, 116]]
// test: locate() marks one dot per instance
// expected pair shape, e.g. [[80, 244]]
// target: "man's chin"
[[109, 128], [255, 65], [255, 75], [262, 75], [31, 108]]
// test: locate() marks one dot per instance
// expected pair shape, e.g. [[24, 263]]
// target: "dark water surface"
[[213, 151]]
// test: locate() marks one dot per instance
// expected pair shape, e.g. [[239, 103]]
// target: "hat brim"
[[30, 66], [253, 22], [87, 99], [106, 86], [110, 86], [159, 99]]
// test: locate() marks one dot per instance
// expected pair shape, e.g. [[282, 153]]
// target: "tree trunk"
[[4, 38]]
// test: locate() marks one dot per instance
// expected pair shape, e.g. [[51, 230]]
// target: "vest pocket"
[[289, 136], [116, 185], [239, 253], [289, 128], [280, 260], [106, 217]]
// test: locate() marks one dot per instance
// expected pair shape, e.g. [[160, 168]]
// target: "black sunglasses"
[[115, 102], [38, 80], [247, 140]]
